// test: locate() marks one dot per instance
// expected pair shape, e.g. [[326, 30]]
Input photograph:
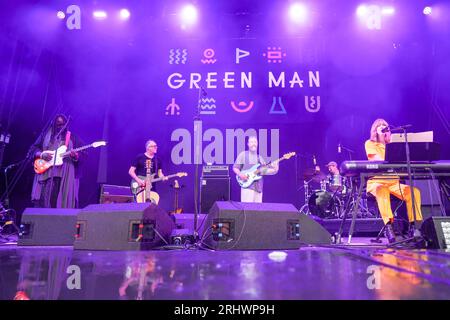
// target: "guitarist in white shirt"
[[58, 186], [245, 160]]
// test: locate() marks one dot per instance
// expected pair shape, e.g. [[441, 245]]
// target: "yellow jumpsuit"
[[382, 188]]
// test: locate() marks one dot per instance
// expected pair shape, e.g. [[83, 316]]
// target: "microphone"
[[393, 128], [339, 148], [383, 129], [314, 160]]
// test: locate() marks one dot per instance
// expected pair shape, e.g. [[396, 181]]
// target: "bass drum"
[[323, 204]]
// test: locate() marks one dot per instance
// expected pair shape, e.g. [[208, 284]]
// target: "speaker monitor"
[[48, 227], [436, 231], [260, 226], [213, 189], [123, 226]]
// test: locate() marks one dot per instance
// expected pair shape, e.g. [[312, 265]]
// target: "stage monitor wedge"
[[123, 226], [436, 231], [260, 226], [48, 227]]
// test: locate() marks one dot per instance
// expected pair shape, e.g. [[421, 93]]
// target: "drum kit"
[[326, 196]]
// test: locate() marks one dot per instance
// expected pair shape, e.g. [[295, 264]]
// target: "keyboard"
[[424, 169]]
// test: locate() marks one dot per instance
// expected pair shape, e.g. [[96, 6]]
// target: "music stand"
[[419, 152]]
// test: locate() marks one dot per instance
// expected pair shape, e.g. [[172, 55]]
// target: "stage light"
[[100, 15], [297, 12], [427, 11], [124, 14], [387, 11], [188, 15], [61, 15], [362, 11], [370, 15]]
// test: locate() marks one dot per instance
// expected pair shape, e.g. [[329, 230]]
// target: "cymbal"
[[314, 175]]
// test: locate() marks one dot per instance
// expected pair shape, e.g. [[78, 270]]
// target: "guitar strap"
[[67, 138]]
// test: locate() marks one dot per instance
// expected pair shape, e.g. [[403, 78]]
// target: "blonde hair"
[[373, 129]]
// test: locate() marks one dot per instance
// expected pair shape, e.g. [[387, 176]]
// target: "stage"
[[357, 271], [225, 150]]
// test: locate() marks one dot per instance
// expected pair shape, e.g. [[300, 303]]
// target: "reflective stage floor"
[[332, 272]]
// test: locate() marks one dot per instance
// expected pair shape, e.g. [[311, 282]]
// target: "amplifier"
[[214, 171], [213, 189], [115, 194]]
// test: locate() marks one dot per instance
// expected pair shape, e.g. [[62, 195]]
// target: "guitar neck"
[[168, 177], [76, 150], [275, 161]]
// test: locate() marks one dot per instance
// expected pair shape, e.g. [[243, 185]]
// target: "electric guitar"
[[254, 173], [41, 165], [145, 194]]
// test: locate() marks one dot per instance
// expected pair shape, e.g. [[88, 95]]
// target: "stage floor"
[[359, 271]]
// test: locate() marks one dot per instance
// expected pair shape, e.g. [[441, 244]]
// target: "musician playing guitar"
[[58, 186], [246, 160], [138, 169]]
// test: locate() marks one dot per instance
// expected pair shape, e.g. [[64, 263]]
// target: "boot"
[[389, 233]]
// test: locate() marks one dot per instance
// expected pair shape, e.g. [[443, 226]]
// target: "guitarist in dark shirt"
[[138, 166], [58, 186]]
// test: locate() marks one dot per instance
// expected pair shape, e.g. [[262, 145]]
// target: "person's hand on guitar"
[[74, 155], [243, 177], [46, 156], [140, 182]]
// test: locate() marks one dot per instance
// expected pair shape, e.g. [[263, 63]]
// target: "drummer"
[[334, 178]]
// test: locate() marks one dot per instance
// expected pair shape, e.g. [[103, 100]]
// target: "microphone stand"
[[349, 152], [411, 184], [196, 176], [411, 181]]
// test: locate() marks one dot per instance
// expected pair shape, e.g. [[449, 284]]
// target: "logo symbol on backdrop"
[[274, 55], [242, 106], [209, 57], [280, 109], [173, 109], [312, 104], [207, 106], [177, 56], [241, 54]]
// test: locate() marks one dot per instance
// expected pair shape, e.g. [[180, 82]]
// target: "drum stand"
[[305, 208], [345, 210]]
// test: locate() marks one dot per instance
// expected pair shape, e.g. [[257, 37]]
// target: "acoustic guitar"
[[145, 194]]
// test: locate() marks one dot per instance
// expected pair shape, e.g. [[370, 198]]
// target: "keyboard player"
[[382, 188]]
